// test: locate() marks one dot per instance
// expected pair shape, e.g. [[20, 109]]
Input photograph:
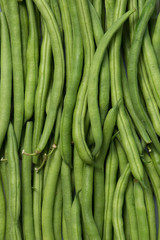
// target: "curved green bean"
[[81, 102], [58, 82], [56, 10], [139, 125], [99, 188], [132, 69], [42, 87], [118, 203], [32, 58], [129, 196], [151, 104], [93, 82], [72, 85], [49, 194], [104, 81]]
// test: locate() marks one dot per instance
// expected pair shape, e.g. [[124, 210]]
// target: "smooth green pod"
[[24, 33], [72, 85], [14, 184], [142, 221], [58, 82], [27, 204], [111, 169], [49, 194], [76, 219], [12, 14], [93, 82], [42, 87], [32, 59], [118, 201], [57, 212], [6, 79]]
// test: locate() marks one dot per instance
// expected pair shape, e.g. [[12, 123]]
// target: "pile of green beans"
[[80, 119]]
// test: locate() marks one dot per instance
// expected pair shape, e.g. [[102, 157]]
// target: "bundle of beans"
[[79, 119]]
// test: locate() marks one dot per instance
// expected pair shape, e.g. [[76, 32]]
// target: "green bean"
[[5, 181], [37, 203], [155, 39], [152, 21], [99, 188], [32, 57], [151, 104], [27, 210], [38, 23], [114, 56], [104, 81], [57, 212], [58, 82], [6, 79], [76, 219], [118, 203], [78, 172], [126, 224], [150, 59], [72, 85], [93, 82], [67, 196], [68, 37], [136, 138], [155, 156], [141, 214], [56, 11], [110, 185], [2, 211], [64, 229], [14, 183], [150, 208], [154, 178], [109, 6], [129, 145], [129, 196], [81, 102], [132, 70], [49, 194], [54, 142], [140, 127], [98, 7], [87, 191], [133, 18], [42, 87], [12, 15], [24, 33]]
